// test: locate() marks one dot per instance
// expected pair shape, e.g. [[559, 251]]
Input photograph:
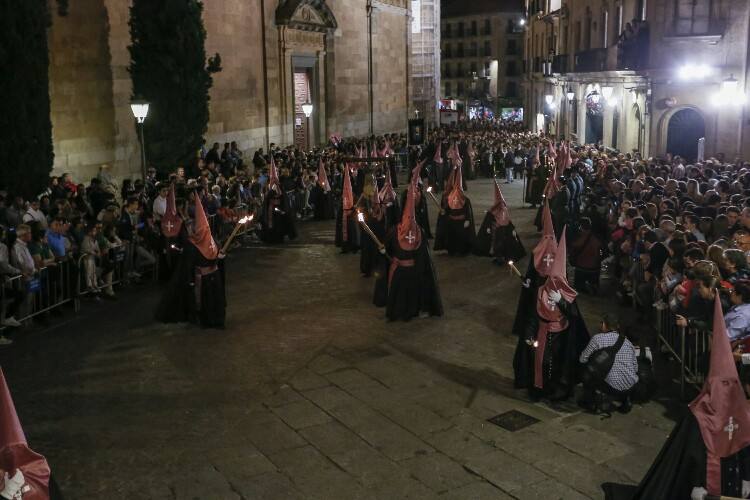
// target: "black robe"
[[681, 466], [412, 290], [353, 236], [500, 242], [561, 356], [277, 219], [179, 302], [536, 181], [323, 203], [370, 253], [451, 233], [525, 308]]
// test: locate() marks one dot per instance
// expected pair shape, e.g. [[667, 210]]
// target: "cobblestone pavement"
[[309, 393]]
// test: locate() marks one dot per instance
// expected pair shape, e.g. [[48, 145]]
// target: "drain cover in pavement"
[[513, 420]]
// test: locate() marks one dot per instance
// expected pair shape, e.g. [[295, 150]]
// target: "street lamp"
[[139, 107], [307, 108], [548, 99], [570, 94], [607, 92], [729, 86]]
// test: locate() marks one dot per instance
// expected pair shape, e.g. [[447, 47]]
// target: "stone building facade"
[[482, 53], [425, 58], [276, 54], [637, 75]]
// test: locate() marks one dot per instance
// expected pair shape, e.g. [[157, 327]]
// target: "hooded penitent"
[[456, 197], [201, 234], [15, 454], [544, 251], [500, 209], [438, 158], [171, 223], [347, 200], [376, 207], [551, 318], [409, 232], [721, 409], [323, 177], [387, 194], [273, 175]]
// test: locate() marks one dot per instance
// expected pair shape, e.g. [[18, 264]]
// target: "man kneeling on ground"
[[610, 368]]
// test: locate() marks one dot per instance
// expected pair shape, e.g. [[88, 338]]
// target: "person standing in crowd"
[[373, 212], [277, 217], [586, 258], [321, 196]]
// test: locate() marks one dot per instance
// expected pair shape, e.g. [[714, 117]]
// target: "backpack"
[[601, 361]]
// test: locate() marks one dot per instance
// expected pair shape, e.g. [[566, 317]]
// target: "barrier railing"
[[48, 288], [689, 346]]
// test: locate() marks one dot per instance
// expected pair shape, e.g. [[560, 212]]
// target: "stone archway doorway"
[[685, 127]]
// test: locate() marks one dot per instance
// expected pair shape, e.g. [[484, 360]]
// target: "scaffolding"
[[425, 58]]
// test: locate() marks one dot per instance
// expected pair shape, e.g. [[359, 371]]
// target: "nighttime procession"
[[375, 250]]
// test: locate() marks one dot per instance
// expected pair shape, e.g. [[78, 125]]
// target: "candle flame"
[[361, 217], [536, 344], [510, 262], [429, 189]]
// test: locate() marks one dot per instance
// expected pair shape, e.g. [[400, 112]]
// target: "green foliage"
[[26, 155], [169, 69]]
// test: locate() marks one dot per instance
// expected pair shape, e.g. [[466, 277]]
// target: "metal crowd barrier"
[[49, 288], [690, 347]]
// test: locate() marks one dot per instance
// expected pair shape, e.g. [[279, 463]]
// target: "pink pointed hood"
[[545, 250], [721, 409], [388, 194], [500, 210], [15, 453], [323, 177], [409, 232]]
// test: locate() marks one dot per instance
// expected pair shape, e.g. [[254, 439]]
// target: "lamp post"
[[139, 107], [307, 109]]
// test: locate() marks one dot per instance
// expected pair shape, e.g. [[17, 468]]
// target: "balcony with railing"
[[560, 63], [591, 60]]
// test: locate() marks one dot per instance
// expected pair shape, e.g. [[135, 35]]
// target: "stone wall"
[[90, 87]]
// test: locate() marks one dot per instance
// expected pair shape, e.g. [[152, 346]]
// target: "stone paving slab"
[[206, 482], [551, 489], [315, 476], [596, 445], [459, 444], [438, 471], [325, 363], [329, 397], [270, 486], [351, 453], [274, 436], [476, 491], [380, 432], [306, 379], [301, 414], [351, 379], [505, 471]]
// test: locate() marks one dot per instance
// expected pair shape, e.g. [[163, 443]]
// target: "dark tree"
[[26, 155], [169, 69]]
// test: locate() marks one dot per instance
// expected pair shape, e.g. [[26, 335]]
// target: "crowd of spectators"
[[74, 238]]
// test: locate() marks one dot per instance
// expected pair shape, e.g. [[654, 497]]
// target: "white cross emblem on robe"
[[548, 259], [731, 427], [410, 237], [169, 226]]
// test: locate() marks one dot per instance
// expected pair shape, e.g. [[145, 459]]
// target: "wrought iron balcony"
[[591, 60]]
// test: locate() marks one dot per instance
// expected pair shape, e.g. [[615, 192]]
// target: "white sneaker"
[[5, 341], [13, 322]]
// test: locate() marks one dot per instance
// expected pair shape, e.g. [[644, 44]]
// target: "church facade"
[[348, 58]]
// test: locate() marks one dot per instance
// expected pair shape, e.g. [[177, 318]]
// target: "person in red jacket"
[[586, 258]]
